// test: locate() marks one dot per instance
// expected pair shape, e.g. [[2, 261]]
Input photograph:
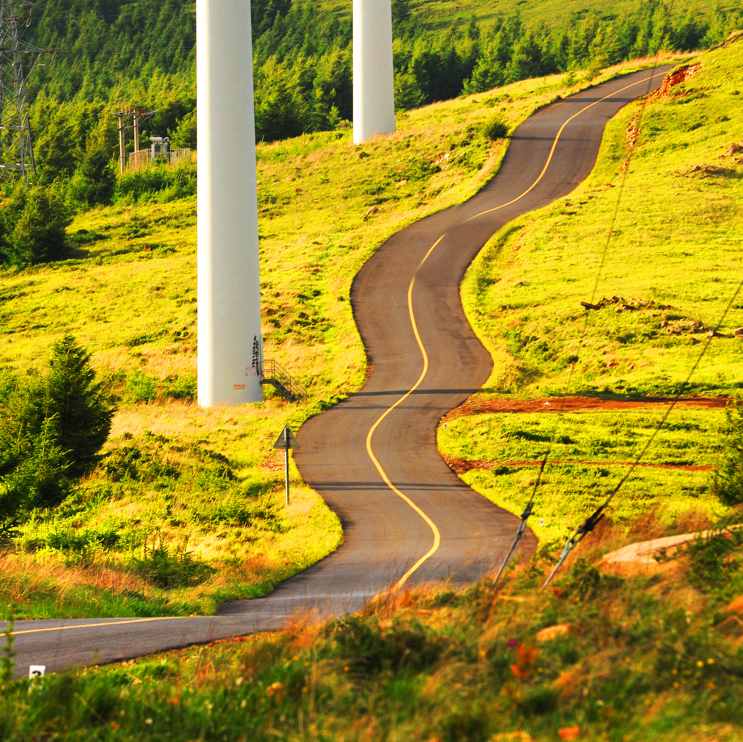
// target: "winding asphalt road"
[[408, 519]]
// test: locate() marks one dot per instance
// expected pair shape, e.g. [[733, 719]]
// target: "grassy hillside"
[[674, 259], [440, 14], [184, 491], [601, 657]]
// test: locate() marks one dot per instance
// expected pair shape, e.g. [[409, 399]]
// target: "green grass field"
[[203, 488], [589, 452], [674, 259]]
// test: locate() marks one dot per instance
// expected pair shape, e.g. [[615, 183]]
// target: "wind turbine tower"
[[229, 314], [373, 81]]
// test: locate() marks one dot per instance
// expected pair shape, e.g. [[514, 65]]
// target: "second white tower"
[[373, 77]]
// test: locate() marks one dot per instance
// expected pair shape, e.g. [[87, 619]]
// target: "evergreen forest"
[[103, 55]]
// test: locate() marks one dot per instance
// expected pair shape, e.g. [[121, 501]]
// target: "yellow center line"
[[108, 623], [369, 450]]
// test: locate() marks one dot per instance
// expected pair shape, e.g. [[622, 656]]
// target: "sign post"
[[285, 441]]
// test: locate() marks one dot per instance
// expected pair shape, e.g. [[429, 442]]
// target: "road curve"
[[408, 519]]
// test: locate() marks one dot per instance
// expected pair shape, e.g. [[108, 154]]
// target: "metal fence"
[[143, 157]]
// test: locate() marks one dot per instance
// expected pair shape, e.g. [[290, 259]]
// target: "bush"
[[167, 569], [160, 183], [51, 430], [495, 128], [34, 227], [728, 482]]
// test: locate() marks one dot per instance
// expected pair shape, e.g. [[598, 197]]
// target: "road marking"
[[382, 473], [554, 145], [369, 450], [96, 625]]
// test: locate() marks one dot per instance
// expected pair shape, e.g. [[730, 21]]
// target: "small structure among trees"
[[159, 150]]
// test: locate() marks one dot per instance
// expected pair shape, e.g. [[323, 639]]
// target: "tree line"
[[108, 53]]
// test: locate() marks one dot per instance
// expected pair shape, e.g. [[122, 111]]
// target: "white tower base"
[[229, 322], [373, 79]]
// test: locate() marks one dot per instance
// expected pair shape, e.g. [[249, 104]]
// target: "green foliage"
[[495, 127], [368, 649], [51, 430], [33, 227], [170, 568], [33, 468], [94, 180], [144, 53], [728, 484], [185, 132], [716, 563], [7, 663], [77, 403], [160, 183]]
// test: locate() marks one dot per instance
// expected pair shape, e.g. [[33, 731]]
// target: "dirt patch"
[[673, 78], [461, 466], [273, 462], [575, 404], [705, 170], [625, 304]]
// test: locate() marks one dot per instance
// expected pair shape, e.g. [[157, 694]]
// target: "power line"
[[588, 524], [592, 521]]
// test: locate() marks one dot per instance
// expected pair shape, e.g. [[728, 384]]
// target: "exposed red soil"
[[674, 78], [461, 466], [575, 404]]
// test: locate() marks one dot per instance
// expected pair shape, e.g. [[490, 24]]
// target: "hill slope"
[[673, 259], [206, 483]]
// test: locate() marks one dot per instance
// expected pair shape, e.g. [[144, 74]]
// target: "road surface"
[[408, 519]]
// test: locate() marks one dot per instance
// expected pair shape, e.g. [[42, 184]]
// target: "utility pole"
[[229, 309], [17, 60], [136, 130], [373, 76], [121, 115], [137, 116]]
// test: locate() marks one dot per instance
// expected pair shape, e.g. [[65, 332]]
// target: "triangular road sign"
[[286, 440]]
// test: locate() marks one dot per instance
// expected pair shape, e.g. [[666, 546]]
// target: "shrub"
[[34, 227], [51, 430], [167, 569], [161, 183], [140, 387], [369, 649], [728, 482], [495, 128]]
